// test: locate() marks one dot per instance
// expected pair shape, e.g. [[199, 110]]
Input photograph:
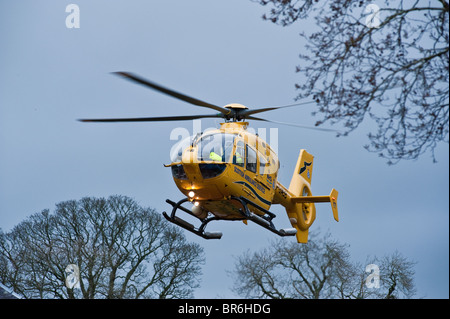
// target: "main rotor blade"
[[265, 109], [172, 93], [294, 124], [154, 119]]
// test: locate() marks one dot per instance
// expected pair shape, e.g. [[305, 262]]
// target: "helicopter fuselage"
[[222, 164]]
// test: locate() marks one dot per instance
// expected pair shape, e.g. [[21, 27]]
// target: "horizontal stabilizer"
[[332, 198]]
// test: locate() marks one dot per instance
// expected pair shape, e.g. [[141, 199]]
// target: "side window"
[[262, 164], [239, 155], [251, 159]]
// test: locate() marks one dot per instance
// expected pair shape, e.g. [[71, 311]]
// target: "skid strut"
[[188, 226], [264, 220]]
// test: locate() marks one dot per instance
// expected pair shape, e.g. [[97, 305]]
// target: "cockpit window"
[[216, 147]]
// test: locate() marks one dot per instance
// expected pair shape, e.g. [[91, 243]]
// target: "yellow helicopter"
[[231, 174]]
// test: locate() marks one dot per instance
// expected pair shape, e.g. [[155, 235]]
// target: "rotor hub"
[[236, 110], [235, 106]]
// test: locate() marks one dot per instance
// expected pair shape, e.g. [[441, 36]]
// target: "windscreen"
[[216, 147]]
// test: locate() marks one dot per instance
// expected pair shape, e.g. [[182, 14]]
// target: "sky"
[[217, 51]]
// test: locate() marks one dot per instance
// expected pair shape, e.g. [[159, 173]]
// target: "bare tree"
[[388, 61], [121, 250], [289, 270], [396, 277], [321, 269]]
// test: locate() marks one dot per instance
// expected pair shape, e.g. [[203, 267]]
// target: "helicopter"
[[230, 173]]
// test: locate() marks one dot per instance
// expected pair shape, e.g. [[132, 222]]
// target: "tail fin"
[[302, 173], [302, 215], [297, 199]]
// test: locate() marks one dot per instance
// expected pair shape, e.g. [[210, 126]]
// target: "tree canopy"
[[120, 249], [321, 269]]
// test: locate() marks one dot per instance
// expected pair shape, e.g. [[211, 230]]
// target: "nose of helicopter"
[[196, 180]]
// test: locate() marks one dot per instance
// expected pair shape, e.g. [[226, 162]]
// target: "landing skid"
[[200, 231], [263, 221]]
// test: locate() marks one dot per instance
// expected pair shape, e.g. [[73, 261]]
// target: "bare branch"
[[395, 74]]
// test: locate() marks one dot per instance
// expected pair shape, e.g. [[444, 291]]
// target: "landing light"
[[191, 194]]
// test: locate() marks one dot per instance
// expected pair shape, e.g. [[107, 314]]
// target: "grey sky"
[[218, 51]]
